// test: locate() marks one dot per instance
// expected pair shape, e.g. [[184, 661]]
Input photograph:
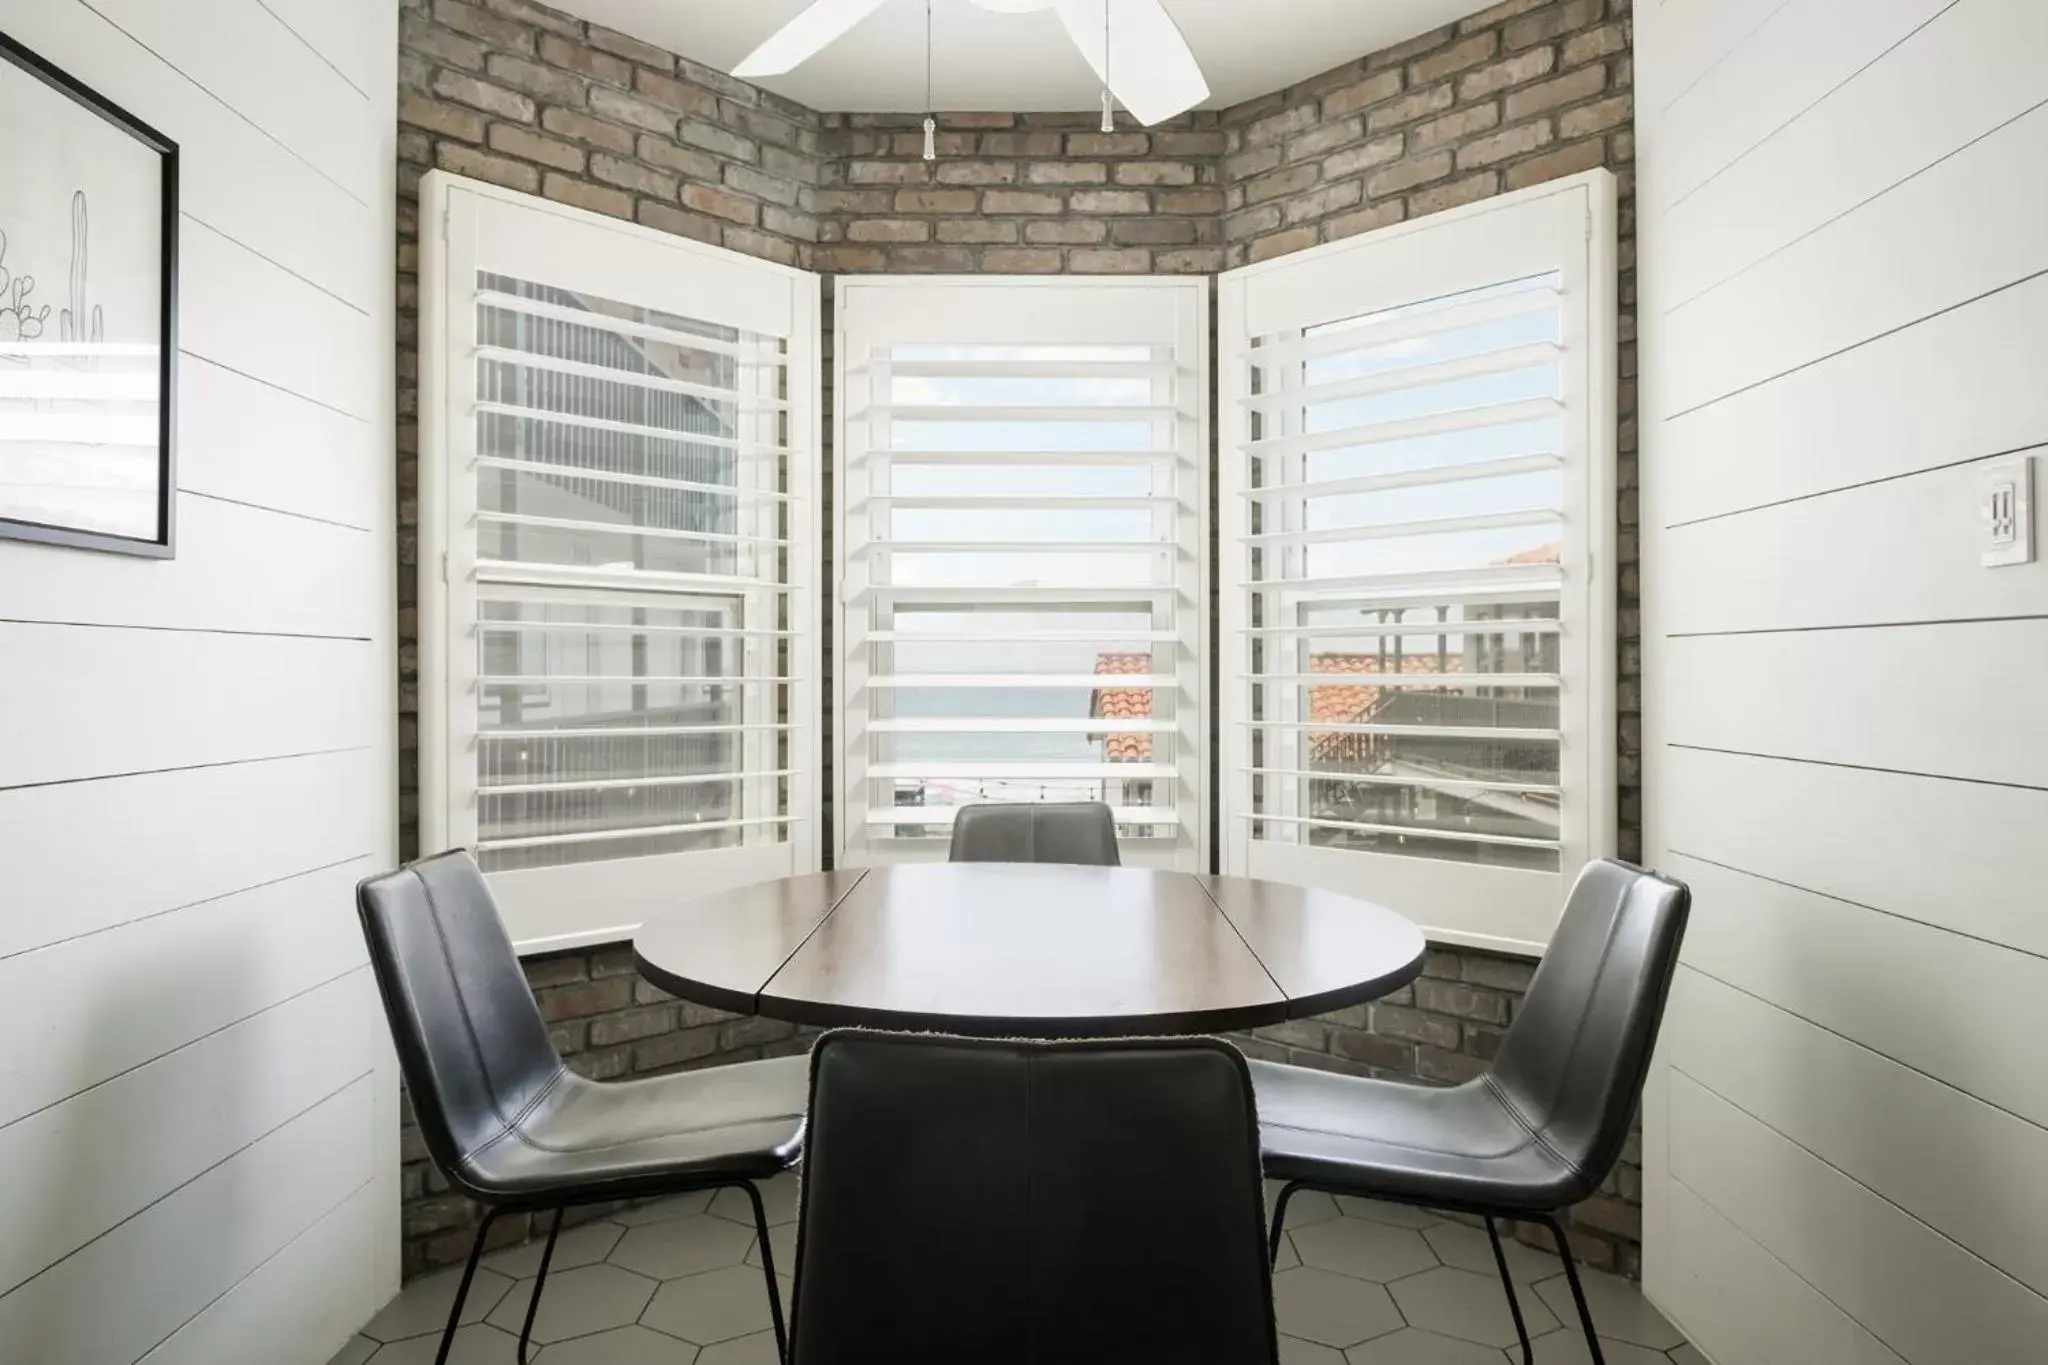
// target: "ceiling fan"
[[1149, 68]]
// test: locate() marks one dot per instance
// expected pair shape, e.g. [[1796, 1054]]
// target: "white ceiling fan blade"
[[1151, 71], [803, 37]]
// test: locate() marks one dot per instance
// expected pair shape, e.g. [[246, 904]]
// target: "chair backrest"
[[471, 1042], [1573, 1061], [1011, 1202], [1082, 832]]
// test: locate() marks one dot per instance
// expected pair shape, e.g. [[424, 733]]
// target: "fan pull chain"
[[1108, 105], [931, 125]]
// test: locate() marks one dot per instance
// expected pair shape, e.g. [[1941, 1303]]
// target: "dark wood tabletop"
[[1037, 950]]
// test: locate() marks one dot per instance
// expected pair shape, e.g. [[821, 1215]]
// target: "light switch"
[[2009, 513]]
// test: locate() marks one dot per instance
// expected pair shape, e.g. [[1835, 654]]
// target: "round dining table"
[[1028, 950]]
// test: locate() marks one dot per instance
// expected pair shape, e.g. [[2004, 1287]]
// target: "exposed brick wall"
[[1020, 194], [514, 93], [1524, 92]]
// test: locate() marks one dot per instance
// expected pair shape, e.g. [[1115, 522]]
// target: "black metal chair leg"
[[476, 1252], [540, 1281], [1507, 1281], [1280, 1221], [768, 1269], [1571, 1273]]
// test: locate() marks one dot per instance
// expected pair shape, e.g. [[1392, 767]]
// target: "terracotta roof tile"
[[1542, 554], [1337, 704], [1123, 703], [1353, 703]]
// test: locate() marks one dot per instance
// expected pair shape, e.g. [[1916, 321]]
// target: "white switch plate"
[[2009, 513]]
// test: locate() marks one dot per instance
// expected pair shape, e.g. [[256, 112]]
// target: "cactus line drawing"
[[78, 323], [20, 320], [81, 323]]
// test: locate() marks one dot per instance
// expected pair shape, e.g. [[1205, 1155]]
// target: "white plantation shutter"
[[1417, 512], [1021, 557], [618, 562]]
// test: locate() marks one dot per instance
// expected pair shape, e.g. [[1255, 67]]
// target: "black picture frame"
[[163, 544]]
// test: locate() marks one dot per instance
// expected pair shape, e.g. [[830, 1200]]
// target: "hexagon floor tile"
[[619, 1346], [1306, 1207], [758, 1349], [1395, 1215], [1568, 1347], [577, 1302], [1331, 1309], [358, 1350], [1413, 1346], [585, 1245], [656, 1283], [778, 1197], [661, 1210], [423, 1307], [682, 1246], [716, 1306], [1467, 1249], [782, 1243], [1295, 1351], [1363, 1248], [1458, 1303], [1619, 1310], [477, 1345]]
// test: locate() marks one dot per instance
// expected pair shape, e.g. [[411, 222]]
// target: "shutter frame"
[[969, 343], [1319, 308], [715, 659]]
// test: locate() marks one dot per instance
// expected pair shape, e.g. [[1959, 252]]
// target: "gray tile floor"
[[678, 1283]]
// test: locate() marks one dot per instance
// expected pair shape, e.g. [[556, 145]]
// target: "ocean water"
[[997, 747]]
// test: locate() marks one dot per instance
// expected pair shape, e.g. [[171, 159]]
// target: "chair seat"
[[1460, 1146], [582, 1141]]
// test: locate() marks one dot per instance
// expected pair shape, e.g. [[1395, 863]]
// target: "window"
[[1417, 512], [618, 556], [1021, 557]]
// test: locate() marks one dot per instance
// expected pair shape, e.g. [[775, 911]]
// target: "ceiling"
[[1021, 62]]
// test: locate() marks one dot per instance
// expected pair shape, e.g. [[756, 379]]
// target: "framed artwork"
[[88, 316]]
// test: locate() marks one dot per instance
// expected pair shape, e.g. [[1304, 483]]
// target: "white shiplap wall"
[[1844, 319], [197, 1105]]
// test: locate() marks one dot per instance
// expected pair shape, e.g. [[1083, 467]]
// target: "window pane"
[[1408, 766], [1008, 391], [563, 687], [619, 421], [1535, 381], [1050, 476], [1481, 339], [1023, 479], [1093, 433], [1446, 450], [954, 767]]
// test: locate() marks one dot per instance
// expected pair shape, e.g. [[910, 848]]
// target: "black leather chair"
[[507, 1123], [1008, 1203], [1540, 1130], [1082, 832]]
